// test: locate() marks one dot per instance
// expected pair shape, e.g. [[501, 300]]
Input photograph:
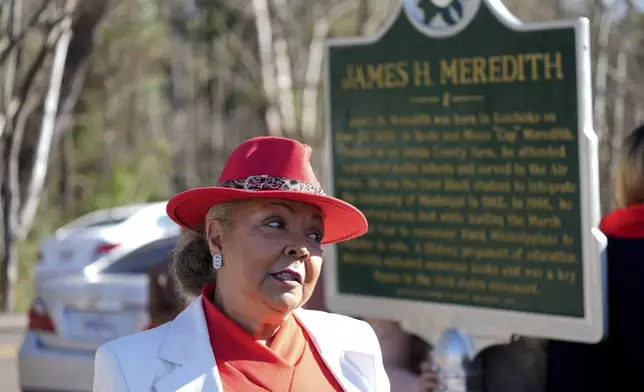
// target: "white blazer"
[[177, 356]]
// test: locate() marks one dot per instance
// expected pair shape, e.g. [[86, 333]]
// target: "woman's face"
[[272, 254]]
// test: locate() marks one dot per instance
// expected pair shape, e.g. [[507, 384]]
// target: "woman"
[[617, 363], [254, 259]]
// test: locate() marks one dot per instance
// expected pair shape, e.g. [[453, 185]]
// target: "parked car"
[[92, 236], [72, 316]]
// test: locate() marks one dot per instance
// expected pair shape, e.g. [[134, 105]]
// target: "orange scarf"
[[290, 363]]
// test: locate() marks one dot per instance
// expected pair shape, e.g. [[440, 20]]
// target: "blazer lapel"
[[187, 350], [336, 352], [193, 368]]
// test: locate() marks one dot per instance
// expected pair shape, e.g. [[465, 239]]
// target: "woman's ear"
[[214, 231]]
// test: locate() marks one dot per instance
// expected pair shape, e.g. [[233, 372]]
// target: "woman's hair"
[[191, 262], [628, 185]]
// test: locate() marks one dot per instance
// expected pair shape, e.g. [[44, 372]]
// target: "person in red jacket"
[[617, 363]]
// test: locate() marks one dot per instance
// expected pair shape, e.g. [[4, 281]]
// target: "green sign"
[[458, 136]]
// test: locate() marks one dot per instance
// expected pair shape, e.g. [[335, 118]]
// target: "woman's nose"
[[299, 252]]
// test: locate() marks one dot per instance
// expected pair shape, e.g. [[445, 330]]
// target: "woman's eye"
[[276, 224], [317, 237]]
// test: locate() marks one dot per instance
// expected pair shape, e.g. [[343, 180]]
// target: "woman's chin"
[[285, 302]]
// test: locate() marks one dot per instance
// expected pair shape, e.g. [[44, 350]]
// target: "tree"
[[243, 69], [291, 37], [32, 59]]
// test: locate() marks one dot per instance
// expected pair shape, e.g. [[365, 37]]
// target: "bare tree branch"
[[31, 102], [13, 14], [267, 60], [315, 63], [619, 108], [8, 43], [284, 72], [66, 114], [284, 75], [236, 45], [601, 73], [39, 170]]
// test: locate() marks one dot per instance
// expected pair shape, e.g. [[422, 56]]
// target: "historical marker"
[[465, 137]]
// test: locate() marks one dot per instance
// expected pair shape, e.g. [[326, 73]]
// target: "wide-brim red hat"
[[270, 168]]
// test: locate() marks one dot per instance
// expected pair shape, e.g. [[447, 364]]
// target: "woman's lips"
[[288, 277]]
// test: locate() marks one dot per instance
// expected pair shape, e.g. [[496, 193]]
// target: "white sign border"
[[429, 319]]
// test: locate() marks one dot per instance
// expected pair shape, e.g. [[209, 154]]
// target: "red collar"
[[285, 348], [289, 363]]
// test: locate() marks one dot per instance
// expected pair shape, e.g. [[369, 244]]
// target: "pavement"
[[12, 328]]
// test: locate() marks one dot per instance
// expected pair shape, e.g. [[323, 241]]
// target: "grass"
[[28, 251], [24, 290]]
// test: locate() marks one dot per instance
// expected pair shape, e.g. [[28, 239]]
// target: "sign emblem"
[[441, 18]]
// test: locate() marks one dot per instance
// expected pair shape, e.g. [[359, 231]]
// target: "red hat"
[[270, 168]]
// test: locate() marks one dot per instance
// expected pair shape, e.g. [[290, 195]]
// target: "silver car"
[[99, 234], [72, 316]]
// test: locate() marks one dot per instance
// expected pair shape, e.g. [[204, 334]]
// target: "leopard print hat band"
[[269, 183]]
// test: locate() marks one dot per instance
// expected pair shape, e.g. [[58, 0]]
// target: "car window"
[[139, 261]]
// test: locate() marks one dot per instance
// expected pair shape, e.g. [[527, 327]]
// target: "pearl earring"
[[217, 261]]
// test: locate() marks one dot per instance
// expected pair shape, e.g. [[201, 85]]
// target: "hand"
[[429, 381]]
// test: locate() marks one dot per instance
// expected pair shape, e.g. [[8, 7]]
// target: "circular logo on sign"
[[441, 18]]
